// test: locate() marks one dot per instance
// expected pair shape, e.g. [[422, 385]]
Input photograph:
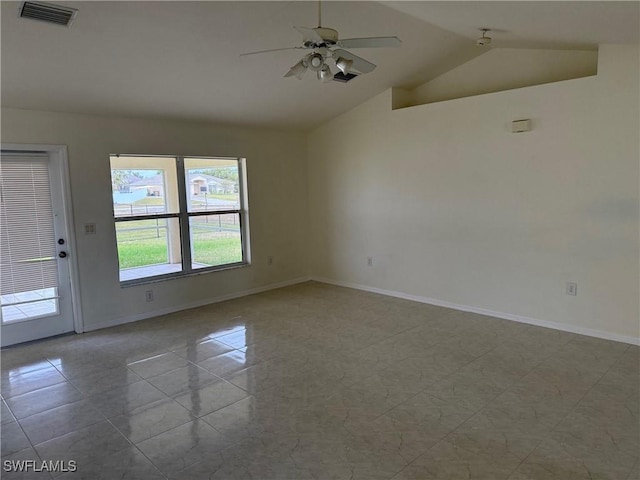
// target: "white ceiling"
[[182, 59], [533, 24]]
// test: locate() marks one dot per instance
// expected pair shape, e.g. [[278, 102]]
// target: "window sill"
[[178, 275]]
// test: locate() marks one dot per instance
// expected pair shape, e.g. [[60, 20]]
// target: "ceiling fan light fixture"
[[315, 62], [344, 65], [298, 70], [326, 49], [325, 74]]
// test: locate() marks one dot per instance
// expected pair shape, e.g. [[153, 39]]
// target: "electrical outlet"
[[572, 288], [269, 260], [148, 295], [370, 261]]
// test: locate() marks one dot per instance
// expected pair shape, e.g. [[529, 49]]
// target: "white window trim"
[[183, 219]]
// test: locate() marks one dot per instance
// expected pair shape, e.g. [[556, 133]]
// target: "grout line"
[[485, 405], [137, 448], [553, 428]]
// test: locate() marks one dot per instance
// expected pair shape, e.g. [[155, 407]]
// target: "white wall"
[[504, 69], [450, 205], [455, 208], [277, 201]]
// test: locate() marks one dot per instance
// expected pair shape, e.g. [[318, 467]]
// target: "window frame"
[[183, 217]]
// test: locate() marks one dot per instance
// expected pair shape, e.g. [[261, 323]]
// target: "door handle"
[[62, 254]]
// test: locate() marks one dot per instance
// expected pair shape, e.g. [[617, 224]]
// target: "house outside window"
[[176, 216]]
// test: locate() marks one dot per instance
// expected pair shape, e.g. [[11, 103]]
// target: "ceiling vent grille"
[[47, 12]]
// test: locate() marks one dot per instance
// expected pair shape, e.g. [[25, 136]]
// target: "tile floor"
[[321, 382]]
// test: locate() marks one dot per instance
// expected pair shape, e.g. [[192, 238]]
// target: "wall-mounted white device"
[[518, 126]]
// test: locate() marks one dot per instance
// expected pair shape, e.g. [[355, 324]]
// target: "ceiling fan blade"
[[272, 50], [359, 63], [310, 35], [370, 42]]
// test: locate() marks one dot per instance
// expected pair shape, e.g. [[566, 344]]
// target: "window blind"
[[27, 237]]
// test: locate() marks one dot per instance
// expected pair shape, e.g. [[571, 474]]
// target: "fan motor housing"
[[329, 35]]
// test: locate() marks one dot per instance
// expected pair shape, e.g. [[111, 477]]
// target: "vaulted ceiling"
[[175, 59]]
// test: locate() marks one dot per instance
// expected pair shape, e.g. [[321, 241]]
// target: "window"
[[178, 215]]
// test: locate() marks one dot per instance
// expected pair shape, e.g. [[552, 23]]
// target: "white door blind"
[[27, 237]]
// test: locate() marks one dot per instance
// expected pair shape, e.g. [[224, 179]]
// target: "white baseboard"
[[199, 303], [565, 327]]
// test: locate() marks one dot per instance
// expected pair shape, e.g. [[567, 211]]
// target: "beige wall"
[[454, 208], [504, 69], [276, 170]]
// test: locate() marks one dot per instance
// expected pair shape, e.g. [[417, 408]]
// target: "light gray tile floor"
[[321, 382]]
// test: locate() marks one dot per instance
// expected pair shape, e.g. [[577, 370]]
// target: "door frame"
[[59, 153]]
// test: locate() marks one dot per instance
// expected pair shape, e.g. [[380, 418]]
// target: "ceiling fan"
[[326, 49]]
